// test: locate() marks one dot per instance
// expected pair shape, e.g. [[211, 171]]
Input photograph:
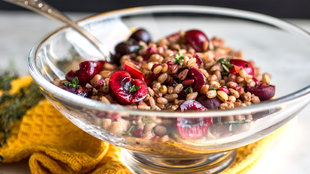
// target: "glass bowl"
[[278, 47]]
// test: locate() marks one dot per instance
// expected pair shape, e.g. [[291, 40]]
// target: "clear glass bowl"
[[278, 47]]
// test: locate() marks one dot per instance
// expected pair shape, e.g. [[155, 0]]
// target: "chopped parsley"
[[134, 88], [74, 83], [212, 88], [225, 63], [178, 59], [146, 120], [139, 48], [130, 130], [236, 123], [189, 90]]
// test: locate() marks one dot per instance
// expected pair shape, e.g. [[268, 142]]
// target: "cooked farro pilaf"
[[183, 71]]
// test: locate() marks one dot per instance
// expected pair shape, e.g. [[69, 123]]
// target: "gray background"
[[278, 8]]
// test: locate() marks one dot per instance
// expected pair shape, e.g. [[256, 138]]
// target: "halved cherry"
[[198, 59], [133, 70], [88, 69], [125, 89], [199, 78], [193, 128], [196, 38], [238, 64], [263, 92]]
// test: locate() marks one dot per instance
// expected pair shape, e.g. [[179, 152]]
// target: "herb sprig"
[[146, 120], [236, 123], [225, 63], [134, 88], [178, 59], [14, 106], [130, 130], [74, 83]]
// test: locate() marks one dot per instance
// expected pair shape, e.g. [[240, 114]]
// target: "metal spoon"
[[41, 7]]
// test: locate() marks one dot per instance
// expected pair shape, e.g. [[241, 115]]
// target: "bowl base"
[[150, 164]]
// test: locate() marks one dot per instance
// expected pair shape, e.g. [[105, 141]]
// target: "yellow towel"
[[55, 145]]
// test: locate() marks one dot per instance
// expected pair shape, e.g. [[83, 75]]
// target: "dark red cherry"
[[127, 47], [192, 105], [141, 35], [193, 128], [199, 78], [125, 89], [196, 38], [209, 103], [133, 70], [88, 69], [263, 92], [198, 59], [137, 133], [238, 64]]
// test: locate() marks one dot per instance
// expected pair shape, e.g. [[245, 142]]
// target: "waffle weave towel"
[[54, 145]]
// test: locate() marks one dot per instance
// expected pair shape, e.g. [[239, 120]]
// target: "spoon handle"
[[45, 9]]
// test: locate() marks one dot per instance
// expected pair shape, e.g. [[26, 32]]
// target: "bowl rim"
[[96, 105]]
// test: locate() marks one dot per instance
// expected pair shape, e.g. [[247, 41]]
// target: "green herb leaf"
[[5, 80], [189, 90], [212, 88], [146, 120], [139, 48], [134, 88], [14, 106], [153, 109], [130, 130], [73, 84], [224, 73], [178, 59], [225, 63]]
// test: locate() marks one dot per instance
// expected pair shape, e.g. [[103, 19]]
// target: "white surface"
[[19, 31]]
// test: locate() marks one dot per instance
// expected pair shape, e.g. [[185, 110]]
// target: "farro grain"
[[205, 45], [266, 78], [232, 99], [204, 72], [164, 138], [255, 99], [243, 73], [183, 74], [192, 96], [204, 89], [104, 99], [105, 73], [157, 69], [109, 66], [163, 89], [152, 102], [178, 88], [171, 97], [211, 94], [162, 100], [94, 80], [162, 78], [164, 68], [222, 95], [150, 91], [170, 89], [106, 123]]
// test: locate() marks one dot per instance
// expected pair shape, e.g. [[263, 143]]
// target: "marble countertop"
[[20, 30]]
